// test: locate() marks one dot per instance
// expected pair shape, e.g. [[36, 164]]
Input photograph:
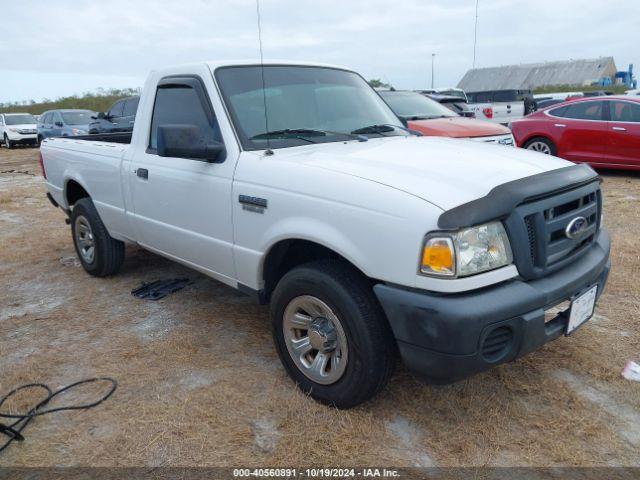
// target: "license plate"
[[582, 309]]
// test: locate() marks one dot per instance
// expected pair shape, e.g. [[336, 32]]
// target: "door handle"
[[131, 122], [561, 125], [619, 129], [142, 173]]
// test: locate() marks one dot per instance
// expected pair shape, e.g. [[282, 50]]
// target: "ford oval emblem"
[[576, 227]]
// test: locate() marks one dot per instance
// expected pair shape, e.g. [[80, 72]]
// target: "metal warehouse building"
[[529, 76]]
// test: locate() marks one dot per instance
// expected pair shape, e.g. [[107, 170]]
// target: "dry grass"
[[200, 383]]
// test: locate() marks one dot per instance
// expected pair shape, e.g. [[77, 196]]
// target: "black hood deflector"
[[501, 200]]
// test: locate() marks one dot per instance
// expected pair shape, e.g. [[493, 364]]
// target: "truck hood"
[[445, 172], [457, 127], [23, 126]]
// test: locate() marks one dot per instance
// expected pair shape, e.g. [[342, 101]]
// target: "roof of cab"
[[237, 63]]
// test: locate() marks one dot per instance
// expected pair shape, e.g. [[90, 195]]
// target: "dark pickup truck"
[[119, 118]]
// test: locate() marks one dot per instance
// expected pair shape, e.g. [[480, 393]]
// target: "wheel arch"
[[531, 136], [74, 191], [289, 253]]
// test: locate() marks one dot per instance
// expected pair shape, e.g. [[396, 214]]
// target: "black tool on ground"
[[14, 430], [160, 288]]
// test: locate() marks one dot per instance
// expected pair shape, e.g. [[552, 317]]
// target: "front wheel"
[[99, 253], [7, 142], [331, 334], [541, 145]]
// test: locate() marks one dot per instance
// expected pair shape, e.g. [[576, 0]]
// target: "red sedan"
[[601, 131]]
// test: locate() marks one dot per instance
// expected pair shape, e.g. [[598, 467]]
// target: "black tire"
[[552, 147], [39, 142], [108, 252], [371, 345], [7, 142]]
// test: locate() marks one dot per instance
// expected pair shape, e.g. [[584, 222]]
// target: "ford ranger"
[[296, 183]]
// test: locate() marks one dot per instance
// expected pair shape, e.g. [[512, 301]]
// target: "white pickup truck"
[[501, 106], [296, 183]]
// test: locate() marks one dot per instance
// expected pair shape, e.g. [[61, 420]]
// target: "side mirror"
[[186, 141], [100, 116], [59, 124]]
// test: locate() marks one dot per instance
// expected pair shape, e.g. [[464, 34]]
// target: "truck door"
[[182, 206], [580, 131]]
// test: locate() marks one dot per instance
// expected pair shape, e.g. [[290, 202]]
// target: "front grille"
[[497, 343], [542, 224]]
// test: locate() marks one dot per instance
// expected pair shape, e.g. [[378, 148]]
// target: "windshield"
[[413, 105], [77, 118], [21, 119], [304, 105]]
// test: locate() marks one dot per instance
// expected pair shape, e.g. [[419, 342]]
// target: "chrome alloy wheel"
[[315, 339], [539, 147], [84, 239]]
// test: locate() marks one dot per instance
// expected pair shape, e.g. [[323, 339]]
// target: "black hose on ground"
[[21, 420]]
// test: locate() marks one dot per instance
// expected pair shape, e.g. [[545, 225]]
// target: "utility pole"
[[433, 56], [475, 36]]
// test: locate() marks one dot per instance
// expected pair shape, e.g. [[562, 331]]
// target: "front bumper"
[[23, 139], [444, 338]]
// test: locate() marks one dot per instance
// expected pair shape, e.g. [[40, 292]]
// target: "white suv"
[[18, 128]]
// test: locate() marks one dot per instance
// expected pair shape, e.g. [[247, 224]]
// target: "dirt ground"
[[200, 382]]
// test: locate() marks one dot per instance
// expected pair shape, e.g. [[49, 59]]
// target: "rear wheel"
[[99, 253], [541, 145], [331, 334]]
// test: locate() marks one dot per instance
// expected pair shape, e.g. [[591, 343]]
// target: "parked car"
[[119, 118], [18, 129], [455, 104], [601, 131], [501, 106], [429, 117], [365, 239], [632, 92], [64, 123]]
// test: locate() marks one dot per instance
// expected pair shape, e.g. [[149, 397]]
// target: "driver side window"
[[181, 105]]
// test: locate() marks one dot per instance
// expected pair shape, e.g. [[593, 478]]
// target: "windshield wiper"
[[305, 133], [383, 129], [300, 133]]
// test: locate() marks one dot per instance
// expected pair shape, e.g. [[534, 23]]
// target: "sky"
[[63, 47]]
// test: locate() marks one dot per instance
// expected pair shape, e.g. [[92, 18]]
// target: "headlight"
[[14, 130], [77, 131], [466, 252]]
